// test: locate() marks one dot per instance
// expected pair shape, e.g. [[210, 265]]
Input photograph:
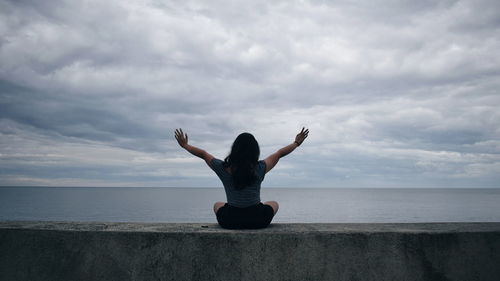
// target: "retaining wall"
[[136, 251]]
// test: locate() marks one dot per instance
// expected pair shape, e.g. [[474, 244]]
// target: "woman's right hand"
[[181, 137], [299, 139]]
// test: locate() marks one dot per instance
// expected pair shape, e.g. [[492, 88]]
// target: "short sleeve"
[[261, 171], [217, 167]]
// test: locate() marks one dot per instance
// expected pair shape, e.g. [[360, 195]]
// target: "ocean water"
[[325, 205]]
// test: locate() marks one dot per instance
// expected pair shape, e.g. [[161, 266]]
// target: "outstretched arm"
[[273, 159], [182, 139]]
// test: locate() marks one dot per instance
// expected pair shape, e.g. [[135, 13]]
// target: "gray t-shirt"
[[245, 197]]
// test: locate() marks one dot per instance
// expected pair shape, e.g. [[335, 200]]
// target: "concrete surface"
[[167, 251]]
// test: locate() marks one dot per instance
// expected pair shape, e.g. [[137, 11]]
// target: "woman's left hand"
[[181, 137], [299, 139]]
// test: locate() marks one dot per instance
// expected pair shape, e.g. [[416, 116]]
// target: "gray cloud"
[[396, 93]]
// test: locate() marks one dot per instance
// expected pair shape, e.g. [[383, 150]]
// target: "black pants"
[[256, 216]]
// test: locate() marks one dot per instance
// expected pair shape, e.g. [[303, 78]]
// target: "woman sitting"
[[241, 173]]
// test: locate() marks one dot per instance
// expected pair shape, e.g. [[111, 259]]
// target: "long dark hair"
[[243, 159]]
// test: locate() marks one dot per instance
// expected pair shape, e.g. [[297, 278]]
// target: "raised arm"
[[182, 139], [273, 159]]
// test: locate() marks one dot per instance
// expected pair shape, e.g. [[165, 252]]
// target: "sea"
[[297, 205]]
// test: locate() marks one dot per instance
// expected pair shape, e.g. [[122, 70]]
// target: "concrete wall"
[[126, 251]]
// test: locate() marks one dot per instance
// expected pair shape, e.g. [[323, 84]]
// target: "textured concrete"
[[133, 251]]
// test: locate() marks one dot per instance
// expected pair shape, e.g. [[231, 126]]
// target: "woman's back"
[[240, 197]]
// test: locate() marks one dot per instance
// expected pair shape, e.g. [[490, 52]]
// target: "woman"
[[241, 174]]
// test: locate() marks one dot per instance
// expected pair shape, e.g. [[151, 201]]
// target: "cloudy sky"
[[395, 93]]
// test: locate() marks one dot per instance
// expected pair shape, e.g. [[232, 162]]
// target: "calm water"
[[138, 204]]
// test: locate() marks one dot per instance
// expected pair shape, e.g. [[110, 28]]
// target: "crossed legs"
[[273, 204], [217, 205]]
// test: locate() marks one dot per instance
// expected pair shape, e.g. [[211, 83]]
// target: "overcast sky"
[[395, 93]]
